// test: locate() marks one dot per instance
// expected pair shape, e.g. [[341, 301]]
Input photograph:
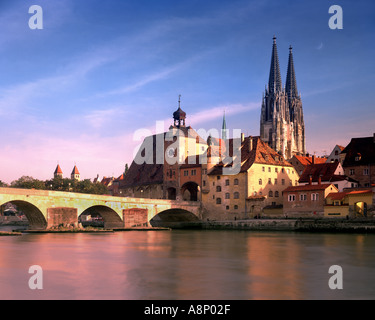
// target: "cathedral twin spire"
[[282, 125], [274, 83]]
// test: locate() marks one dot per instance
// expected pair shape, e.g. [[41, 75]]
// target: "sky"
[[77, 91]]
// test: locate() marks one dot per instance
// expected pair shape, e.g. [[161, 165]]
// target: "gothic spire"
[[274, 83], [224, 129], [291, 83]]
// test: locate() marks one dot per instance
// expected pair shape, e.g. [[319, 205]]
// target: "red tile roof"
[[58, 170], [305, 161], [260, 153], [75, 170], [341, 195], [324, 170], [309, 187]]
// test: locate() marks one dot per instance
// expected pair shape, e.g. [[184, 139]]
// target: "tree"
[[27, 182], [3, 184], [126, 169]]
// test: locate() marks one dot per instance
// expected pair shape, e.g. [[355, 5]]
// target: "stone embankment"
[[299, 225]]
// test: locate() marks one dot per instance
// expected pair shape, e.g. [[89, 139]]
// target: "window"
[[227, 182], [260, 182], [282, 170], [276, 170], [314, 196], [365, 172], [186, 173], [254, 193], [204, 183], [302, 197], [218, 177], [236, 182], [218, 189], [236, 195], [291, 197], [270, 194], [276, 194], [227, 208], [283, 182], [235, 207], [269, 169], [336, 153], [336, 203], [227, 196], [269, 181], [263, 169], [275, 181], [218, 200], [194, 172], [351, 172], [296, 182]]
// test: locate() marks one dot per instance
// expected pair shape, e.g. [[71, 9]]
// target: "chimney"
[[310, 179], [242, 137], [250, 143]]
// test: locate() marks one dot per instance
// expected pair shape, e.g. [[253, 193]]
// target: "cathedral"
[[281, 123]]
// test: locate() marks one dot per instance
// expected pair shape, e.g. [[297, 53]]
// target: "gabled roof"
[[360, 151], [306, 161], [324, 170], [260, 153]]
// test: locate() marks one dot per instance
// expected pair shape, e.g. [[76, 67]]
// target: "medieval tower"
[[281, 123]]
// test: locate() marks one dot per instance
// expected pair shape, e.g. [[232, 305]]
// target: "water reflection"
[[187, 265]]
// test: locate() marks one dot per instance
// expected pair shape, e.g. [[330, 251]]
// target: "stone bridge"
[[46, 209]]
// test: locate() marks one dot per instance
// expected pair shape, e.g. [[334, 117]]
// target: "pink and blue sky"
[[76, 91]]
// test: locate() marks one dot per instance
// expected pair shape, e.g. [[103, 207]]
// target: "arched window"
[[270, 194], [260, 182], [218, 189], [235, 182], [227, 195], [236, 195], [276, 194], [218, 200]]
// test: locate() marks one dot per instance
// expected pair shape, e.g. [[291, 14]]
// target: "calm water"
[[186, 264]]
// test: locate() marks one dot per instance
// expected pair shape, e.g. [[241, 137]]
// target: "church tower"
[[281, 123]]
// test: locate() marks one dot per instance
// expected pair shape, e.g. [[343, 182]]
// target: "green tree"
[[27, 182], [3, 184]]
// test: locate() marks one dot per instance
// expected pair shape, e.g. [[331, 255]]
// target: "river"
[[188, 264]]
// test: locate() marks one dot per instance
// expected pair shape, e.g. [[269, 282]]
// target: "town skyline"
[[76, 91]]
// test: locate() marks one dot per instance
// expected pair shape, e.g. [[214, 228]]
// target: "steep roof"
[[58, 170], [306, 161], [260, 153], [360, 151], [75, 170], [324, 170]]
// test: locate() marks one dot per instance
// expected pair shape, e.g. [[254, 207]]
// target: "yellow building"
[[256, 190], [354, 203]]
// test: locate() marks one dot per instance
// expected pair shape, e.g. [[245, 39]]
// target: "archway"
[[34, 216], [109, 217], [190, 191], [360, 208], [176, 219], [172, 193]]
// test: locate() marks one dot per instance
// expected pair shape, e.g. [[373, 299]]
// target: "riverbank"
[[7, 234], [298, 225]]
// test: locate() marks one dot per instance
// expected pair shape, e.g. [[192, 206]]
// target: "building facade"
[[281, 123], [263, 176], [358, 159]]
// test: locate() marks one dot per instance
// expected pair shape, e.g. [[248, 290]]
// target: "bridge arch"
[[33, 214], [175, 218], [110, 217]]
